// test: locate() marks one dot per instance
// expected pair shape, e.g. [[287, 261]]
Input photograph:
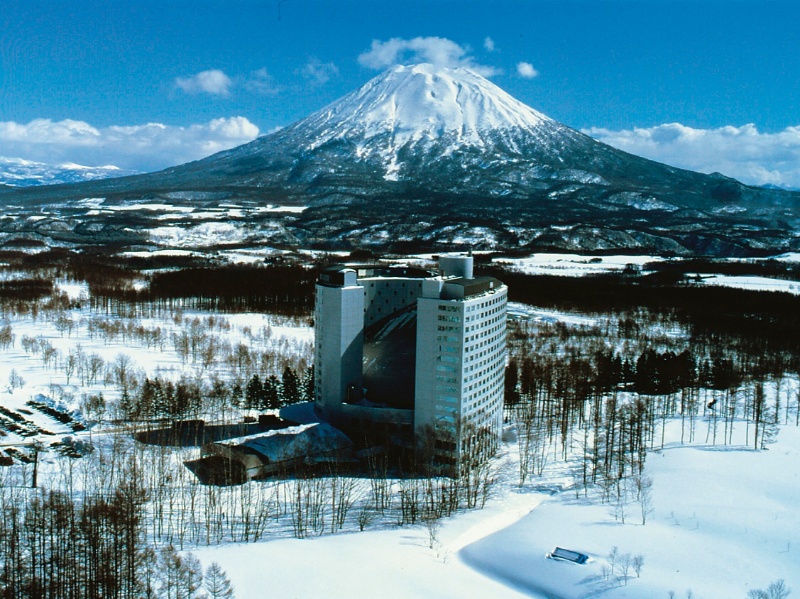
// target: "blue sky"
[[709, 85]]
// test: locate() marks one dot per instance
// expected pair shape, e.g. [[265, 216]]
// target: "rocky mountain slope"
[[424, 157]]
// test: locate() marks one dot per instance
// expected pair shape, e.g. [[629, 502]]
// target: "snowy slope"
[[424, 104], [423, 117]]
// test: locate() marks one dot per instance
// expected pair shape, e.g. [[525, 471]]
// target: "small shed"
[[568, 555]]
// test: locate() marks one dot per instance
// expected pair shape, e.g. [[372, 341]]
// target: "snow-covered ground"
[[724, 521], [573, 265], [526, 312], [752, 283], [576, 265]]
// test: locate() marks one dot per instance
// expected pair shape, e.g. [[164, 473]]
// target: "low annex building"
[[282, 451], [418, 351]]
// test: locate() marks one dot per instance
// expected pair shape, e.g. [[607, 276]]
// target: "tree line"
[[160, 398], [54, 545]]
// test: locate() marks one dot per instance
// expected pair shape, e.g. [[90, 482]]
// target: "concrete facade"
[[461, 358], [339, 343]]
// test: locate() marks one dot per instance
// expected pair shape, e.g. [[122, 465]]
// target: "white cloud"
[[145, 147], [488, 44], [217, 83], [318, 72], [435, 50], [739, 152], [261, 82], [67, 132], [526, 70], [214, 82]]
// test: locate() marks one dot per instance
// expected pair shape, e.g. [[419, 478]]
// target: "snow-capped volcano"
[[446, 126], [422, 105], [422, 154], [425, 102], [411, 104]]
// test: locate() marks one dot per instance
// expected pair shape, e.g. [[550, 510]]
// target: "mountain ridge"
[[18, 172]]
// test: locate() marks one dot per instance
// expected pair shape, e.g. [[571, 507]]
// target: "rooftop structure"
[[419, 351]]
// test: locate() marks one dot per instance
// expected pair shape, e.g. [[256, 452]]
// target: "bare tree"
[[625, 562], [70, 363], [6, 337], [644, 495], [15, 381], [638, 563], [122, 369], [605, 571], [181, 576], [94, 366], [613, 558], [776, 590], [619, 509]]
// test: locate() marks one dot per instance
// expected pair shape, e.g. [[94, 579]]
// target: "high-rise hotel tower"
[[407, 348]]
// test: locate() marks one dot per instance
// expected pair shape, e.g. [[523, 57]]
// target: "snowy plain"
[[578, 265], [724, 522], [573, 265]]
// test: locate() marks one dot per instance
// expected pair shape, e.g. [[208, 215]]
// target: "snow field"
[[573, 265], [723, 523], [577, 265]]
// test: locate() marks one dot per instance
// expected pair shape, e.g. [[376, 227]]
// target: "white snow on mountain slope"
[[19, 172], [423, 103]]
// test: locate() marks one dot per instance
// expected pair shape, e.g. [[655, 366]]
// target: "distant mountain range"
[[16, 172], [422, 158]]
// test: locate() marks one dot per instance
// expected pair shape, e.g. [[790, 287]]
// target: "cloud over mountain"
[[438, 51], [319, 73], [150, 146], [526, 70], [740, 152]]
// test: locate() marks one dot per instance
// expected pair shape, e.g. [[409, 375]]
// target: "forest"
[[102, 353]]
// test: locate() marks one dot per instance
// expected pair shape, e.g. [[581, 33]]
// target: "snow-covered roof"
[[295, 442]]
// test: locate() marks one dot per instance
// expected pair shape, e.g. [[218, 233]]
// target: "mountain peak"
[[423, 103]]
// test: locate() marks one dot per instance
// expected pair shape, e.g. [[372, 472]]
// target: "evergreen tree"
[[237, 395], [272, 393], [308, 384], [290, 386], [511, 396], [217, 583], [253, 393]]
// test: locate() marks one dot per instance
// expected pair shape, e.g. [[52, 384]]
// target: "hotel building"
[[421, 352]]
